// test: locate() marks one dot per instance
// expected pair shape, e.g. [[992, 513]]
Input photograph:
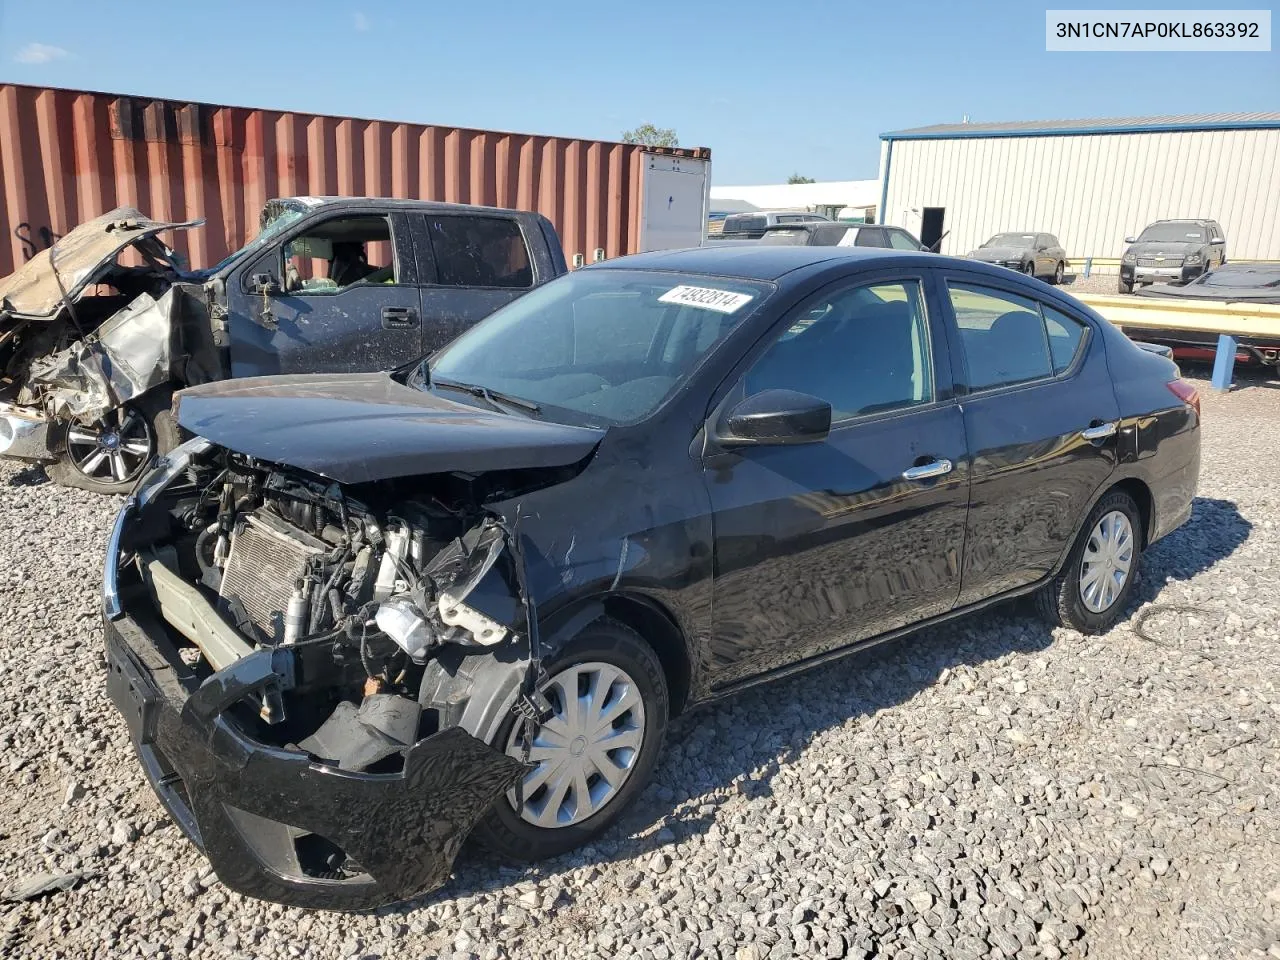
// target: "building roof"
[[1049, 128]]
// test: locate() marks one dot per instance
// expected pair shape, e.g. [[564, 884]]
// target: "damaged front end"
[[287, 651], [101, 318]]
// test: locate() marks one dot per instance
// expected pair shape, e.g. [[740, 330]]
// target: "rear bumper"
[[24, 434], [266, 816]]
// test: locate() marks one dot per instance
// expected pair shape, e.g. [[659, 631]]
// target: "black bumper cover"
[[246, 804]]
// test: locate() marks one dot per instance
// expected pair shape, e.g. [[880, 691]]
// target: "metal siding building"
[[67, 156], [1091, 182]]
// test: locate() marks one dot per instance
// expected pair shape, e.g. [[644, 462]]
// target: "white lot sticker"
[[722, 301]]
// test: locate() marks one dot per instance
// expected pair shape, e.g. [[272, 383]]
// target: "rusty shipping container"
[[69, 155]]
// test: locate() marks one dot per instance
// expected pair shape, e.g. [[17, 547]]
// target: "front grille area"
[[1153, 262], [262, 569]]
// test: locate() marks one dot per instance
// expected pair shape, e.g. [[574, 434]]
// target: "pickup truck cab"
[[97, 332]]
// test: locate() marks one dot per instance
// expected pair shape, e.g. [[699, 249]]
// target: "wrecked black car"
[[360, 618], [97, 332]]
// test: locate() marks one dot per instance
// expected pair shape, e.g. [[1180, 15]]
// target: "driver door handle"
[[399, 318], [1099, 431], [926, 470]]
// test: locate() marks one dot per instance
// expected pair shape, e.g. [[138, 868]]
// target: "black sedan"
[[360, 618]]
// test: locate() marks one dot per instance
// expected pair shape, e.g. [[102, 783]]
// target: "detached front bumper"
[[24, 434], [265, 816]]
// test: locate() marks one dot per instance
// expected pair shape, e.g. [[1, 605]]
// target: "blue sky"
[[771, 88]]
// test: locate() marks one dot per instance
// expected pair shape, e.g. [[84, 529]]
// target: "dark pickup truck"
[[97, 332]]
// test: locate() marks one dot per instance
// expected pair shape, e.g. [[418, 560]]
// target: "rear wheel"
[[108, 455], [593, 756], [1091, 592]]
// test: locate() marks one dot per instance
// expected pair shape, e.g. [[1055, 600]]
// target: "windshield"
[[792, 237], [1012, 240], [1172, 233], [599, 346], [282, 221]]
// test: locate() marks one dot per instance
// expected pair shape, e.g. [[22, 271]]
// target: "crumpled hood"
[[1172, 249], [80, 257], [995, 254], [364, 427]]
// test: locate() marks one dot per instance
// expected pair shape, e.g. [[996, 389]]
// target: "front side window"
[[599, 346], [479, 252], [863, 350], [870, 237], [1008, 340], [338, 254]]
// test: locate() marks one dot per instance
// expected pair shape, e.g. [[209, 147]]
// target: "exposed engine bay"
[[356, 598]]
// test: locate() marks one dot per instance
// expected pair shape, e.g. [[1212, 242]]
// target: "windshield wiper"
[[495, 398]]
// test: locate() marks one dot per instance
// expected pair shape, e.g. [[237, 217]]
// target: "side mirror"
[[265, 284], [1130, 239], [777, 418]]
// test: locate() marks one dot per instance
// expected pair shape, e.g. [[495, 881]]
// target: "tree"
[[651, 136], [796, 178]]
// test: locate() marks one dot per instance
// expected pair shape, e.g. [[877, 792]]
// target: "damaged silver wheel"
[[115, 450], [588, 748]]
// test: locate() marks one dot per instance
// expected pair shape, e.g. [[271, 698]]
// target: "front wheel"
[[1126, 286], [1091, 592], [1058, 272], [1029, 268], [593, 756], [108, 455]]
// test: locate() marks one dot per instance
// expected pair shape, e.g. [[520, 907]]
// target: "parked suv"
[[751, 226], [1172, 251], [1029, 252], [841, 235]]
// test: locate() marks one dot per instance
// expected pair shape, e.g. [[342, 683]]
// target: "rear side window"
[[1008, 340], [479, 252], [744, 224], [1065, 337]]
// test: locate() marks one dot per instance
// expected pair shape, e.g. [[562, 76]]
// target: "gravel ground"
[[987, 789], [1094, 283]]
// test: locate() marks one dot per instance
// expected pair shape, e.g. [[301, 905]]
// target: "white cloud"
[[40, 53], [362, 22]]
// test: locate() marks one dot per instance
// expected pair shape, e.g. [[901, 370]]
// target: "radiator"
[[263, 567]]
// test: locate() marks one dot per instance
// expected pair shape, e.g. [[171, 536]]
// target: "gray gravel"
[[988, 789]]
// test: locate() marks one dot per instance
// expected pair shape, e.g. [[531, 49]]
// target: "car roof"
[[316, 203], [1182, 220], [747, 262]]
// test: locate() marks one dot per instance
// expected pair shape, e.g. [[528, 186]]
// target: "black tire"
[[503, 830], [162, 435], [1126, 287], [1059, 602], [1029, 268], [1058, 273]]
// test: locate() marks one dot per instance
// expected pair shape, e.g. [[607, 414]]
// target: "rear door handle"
[[926, 470], [399, 318], [1099, 431]]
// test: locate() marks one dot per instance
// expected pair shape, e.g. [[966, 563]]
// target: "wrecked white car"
[[97, 332]]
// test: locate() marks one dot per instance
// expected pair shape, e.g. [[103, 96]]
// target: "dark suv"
[[751, 226], [1172, 251]]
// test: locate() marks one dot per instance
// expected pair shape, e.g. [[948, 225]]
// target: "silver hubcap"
[[113, 450], [1108, 557], [583, 755]]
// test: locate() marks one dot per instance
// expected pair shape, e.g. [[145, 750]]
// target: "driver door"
[[821, 545], [346, 301]]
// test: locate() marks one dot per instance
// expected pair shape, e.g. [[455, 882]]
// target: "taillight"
[[1186, 393]]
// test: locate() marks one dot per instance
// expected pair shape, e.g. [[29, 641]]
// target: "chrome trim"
[[111, 608], [167, 469], [1100, 432], [923, 472]]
